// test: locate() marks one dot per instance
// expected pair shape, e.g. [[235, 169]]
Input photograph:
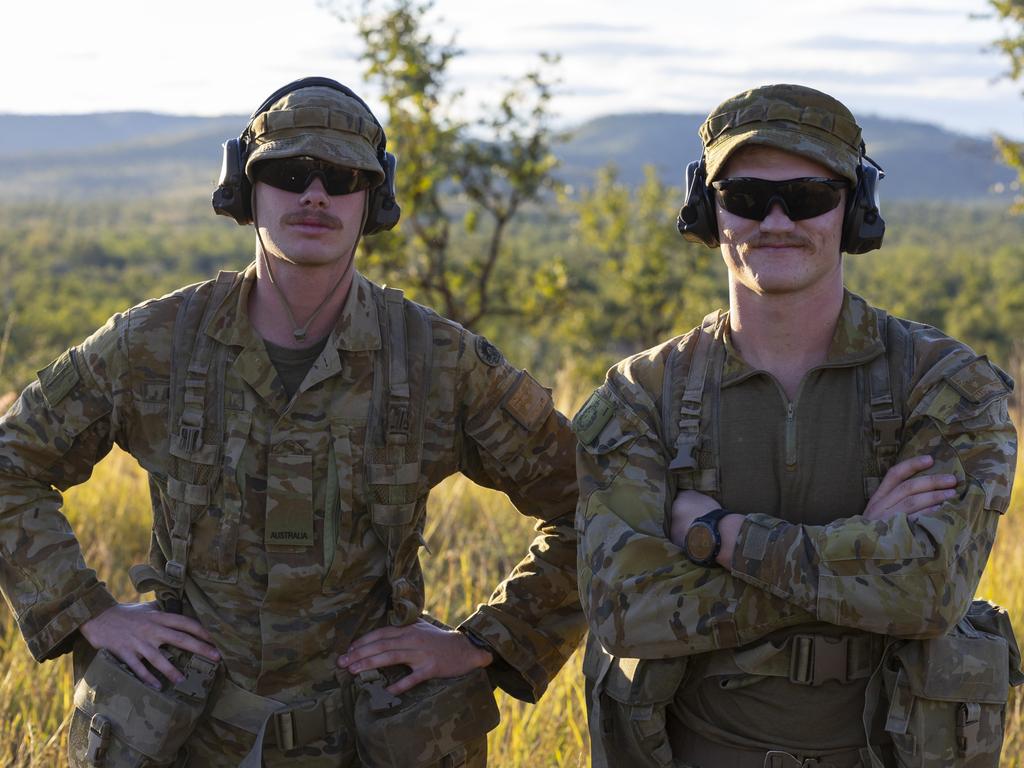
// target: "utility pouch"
[[120, 722], [438, 718], [947, 695], [627, 700]]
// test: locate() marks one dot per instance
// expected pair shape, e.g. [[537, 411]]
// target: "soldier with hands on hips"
[[292, 419], [785, 513]]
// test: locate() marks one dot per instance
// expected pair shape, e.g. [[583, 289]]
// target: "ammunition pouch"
[[627, 700], [120, 722], [946, 697], [440, 721]]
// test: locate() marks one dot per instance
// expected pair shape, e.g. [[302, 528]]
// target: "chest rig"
[[393, 453], [691, 402]]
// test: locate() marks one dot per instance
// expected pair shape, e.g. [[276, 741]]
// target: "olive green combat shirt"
[[280, 615], [805, 560]]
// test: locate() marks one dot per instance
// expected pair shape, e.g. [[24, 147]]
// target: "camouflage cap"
[[790, 117], [320, 122]]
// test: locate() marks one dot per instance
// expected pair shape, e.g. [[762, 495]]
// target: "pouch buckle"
[[968, 727], [199, 676], [99, 740], [816, 659]]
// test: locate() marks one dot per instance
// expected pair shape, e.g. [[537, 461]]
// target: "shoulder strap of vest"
[[690, 419], [395, 452], [885, 401], [195, 420]]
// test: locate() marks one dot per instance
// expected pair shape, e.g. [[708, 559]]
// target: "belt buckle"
[[816, 659], [293, 727]]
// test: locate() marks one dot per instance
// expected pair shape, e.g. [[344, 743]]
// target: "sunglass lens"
[[807, 199], [800, 198], [296, 174]]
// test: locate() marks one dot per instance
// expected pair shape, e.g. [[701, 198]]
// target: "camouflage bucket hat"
[[320, 122], [790, 117]]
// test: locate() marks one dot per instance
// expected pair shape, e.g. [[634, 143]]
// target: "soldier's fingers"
[[922, 501], [386, 659], [162, 664], [904, 470], [135, 664], [182, 624], [384, 633], [404, 684], [918, 485], [187, 642]]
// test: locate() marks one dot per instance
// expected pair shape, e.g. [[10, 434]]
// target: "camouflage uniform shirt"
[[805, 557], [280, 616]]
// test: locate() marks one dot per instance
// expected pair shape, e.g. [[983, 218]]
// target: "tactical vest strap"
[[885, 402], [396, 447], [194, 445], [705, 366], [397, 410]]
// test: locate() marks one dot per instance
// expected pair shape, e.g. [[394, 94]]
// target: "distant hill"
[[128, 154]]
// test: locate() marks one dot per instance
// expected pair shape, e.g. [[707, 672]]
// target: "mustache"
[[321, 218], [775, 241]]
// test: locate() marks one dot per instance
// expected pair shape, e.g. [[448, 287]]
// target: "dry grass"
[[475, 536]]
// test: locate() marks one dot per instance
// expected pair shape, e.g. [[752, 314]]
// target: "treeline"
[[585, 282]]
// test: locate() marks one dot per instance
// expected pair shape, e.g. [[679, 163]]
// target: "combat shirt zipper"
[[790, 436]]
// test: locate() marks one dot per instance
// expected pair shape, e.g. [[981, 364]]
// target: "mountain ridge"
[[118, 154]]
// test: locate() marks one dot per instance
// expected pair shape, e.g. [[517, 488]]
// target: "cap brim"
[[355, 153], [799, 142]]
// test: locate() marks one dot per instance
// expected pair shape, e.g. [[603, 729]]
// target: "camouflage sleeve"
[[642, 597], [50, 440], [904, 577], [514, 440]]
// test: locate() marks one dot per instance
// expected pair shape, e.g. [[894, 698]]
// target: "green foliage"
[[1012, 47], [484, 174]]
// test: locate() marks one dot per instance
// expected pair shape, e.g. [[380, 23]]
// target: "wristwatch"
[[703, 541]]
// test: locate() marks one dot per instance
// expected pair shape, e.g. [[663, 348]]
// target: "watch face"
[[700, 542]]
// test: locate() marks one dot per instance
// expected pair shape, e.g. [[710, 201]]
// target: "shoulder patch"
[[592, 417], [59, 378], [487, 352], [978, 381], [528, 402]]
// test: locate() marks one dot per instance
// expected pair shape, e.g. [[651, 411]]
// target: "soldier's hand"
[[687, 507], [135, 631], [428, 650], [904, 490]]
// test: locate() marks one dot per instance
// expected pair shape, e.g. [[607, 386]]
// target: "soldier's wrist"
[[487, 655]]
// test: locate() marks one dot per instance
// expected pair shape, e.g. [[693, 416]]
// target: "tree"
[[481, 174], [1012, 46], [644, 282]]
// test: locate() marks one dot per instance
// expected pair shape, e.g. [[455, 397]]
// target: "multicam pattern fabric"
[[280, 598], [901, 577]]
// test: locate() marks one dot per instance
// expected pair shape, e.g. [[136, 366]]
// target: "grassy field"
[[475, 536]]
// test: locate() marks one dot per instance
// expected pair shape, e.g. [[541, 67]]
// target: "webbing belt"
[[803, 659], [274, 723], [693, 749]]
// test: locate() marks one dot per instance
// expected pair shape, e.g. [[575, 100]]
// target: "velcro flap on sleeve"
[[59, 378], [528, 402], [979, 382]]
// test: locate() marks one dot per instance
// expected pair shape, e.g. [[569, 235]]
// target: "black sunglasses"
[[802, 198], [295, 174]]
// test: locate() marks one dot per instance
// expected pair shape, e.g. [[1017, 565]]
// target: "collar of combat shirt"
[[855, 341]]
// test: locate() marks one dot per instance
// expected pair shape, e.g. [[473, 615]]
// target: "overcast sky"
[[920, 59]]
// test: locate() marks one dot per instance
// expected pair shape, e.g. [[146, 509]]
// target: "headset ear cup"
[[697, 221], [863, 225], [383, 211], [232, 197]]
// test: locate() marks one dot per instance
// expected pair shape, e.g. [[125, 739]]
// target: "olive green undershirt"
[[292, 365]]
